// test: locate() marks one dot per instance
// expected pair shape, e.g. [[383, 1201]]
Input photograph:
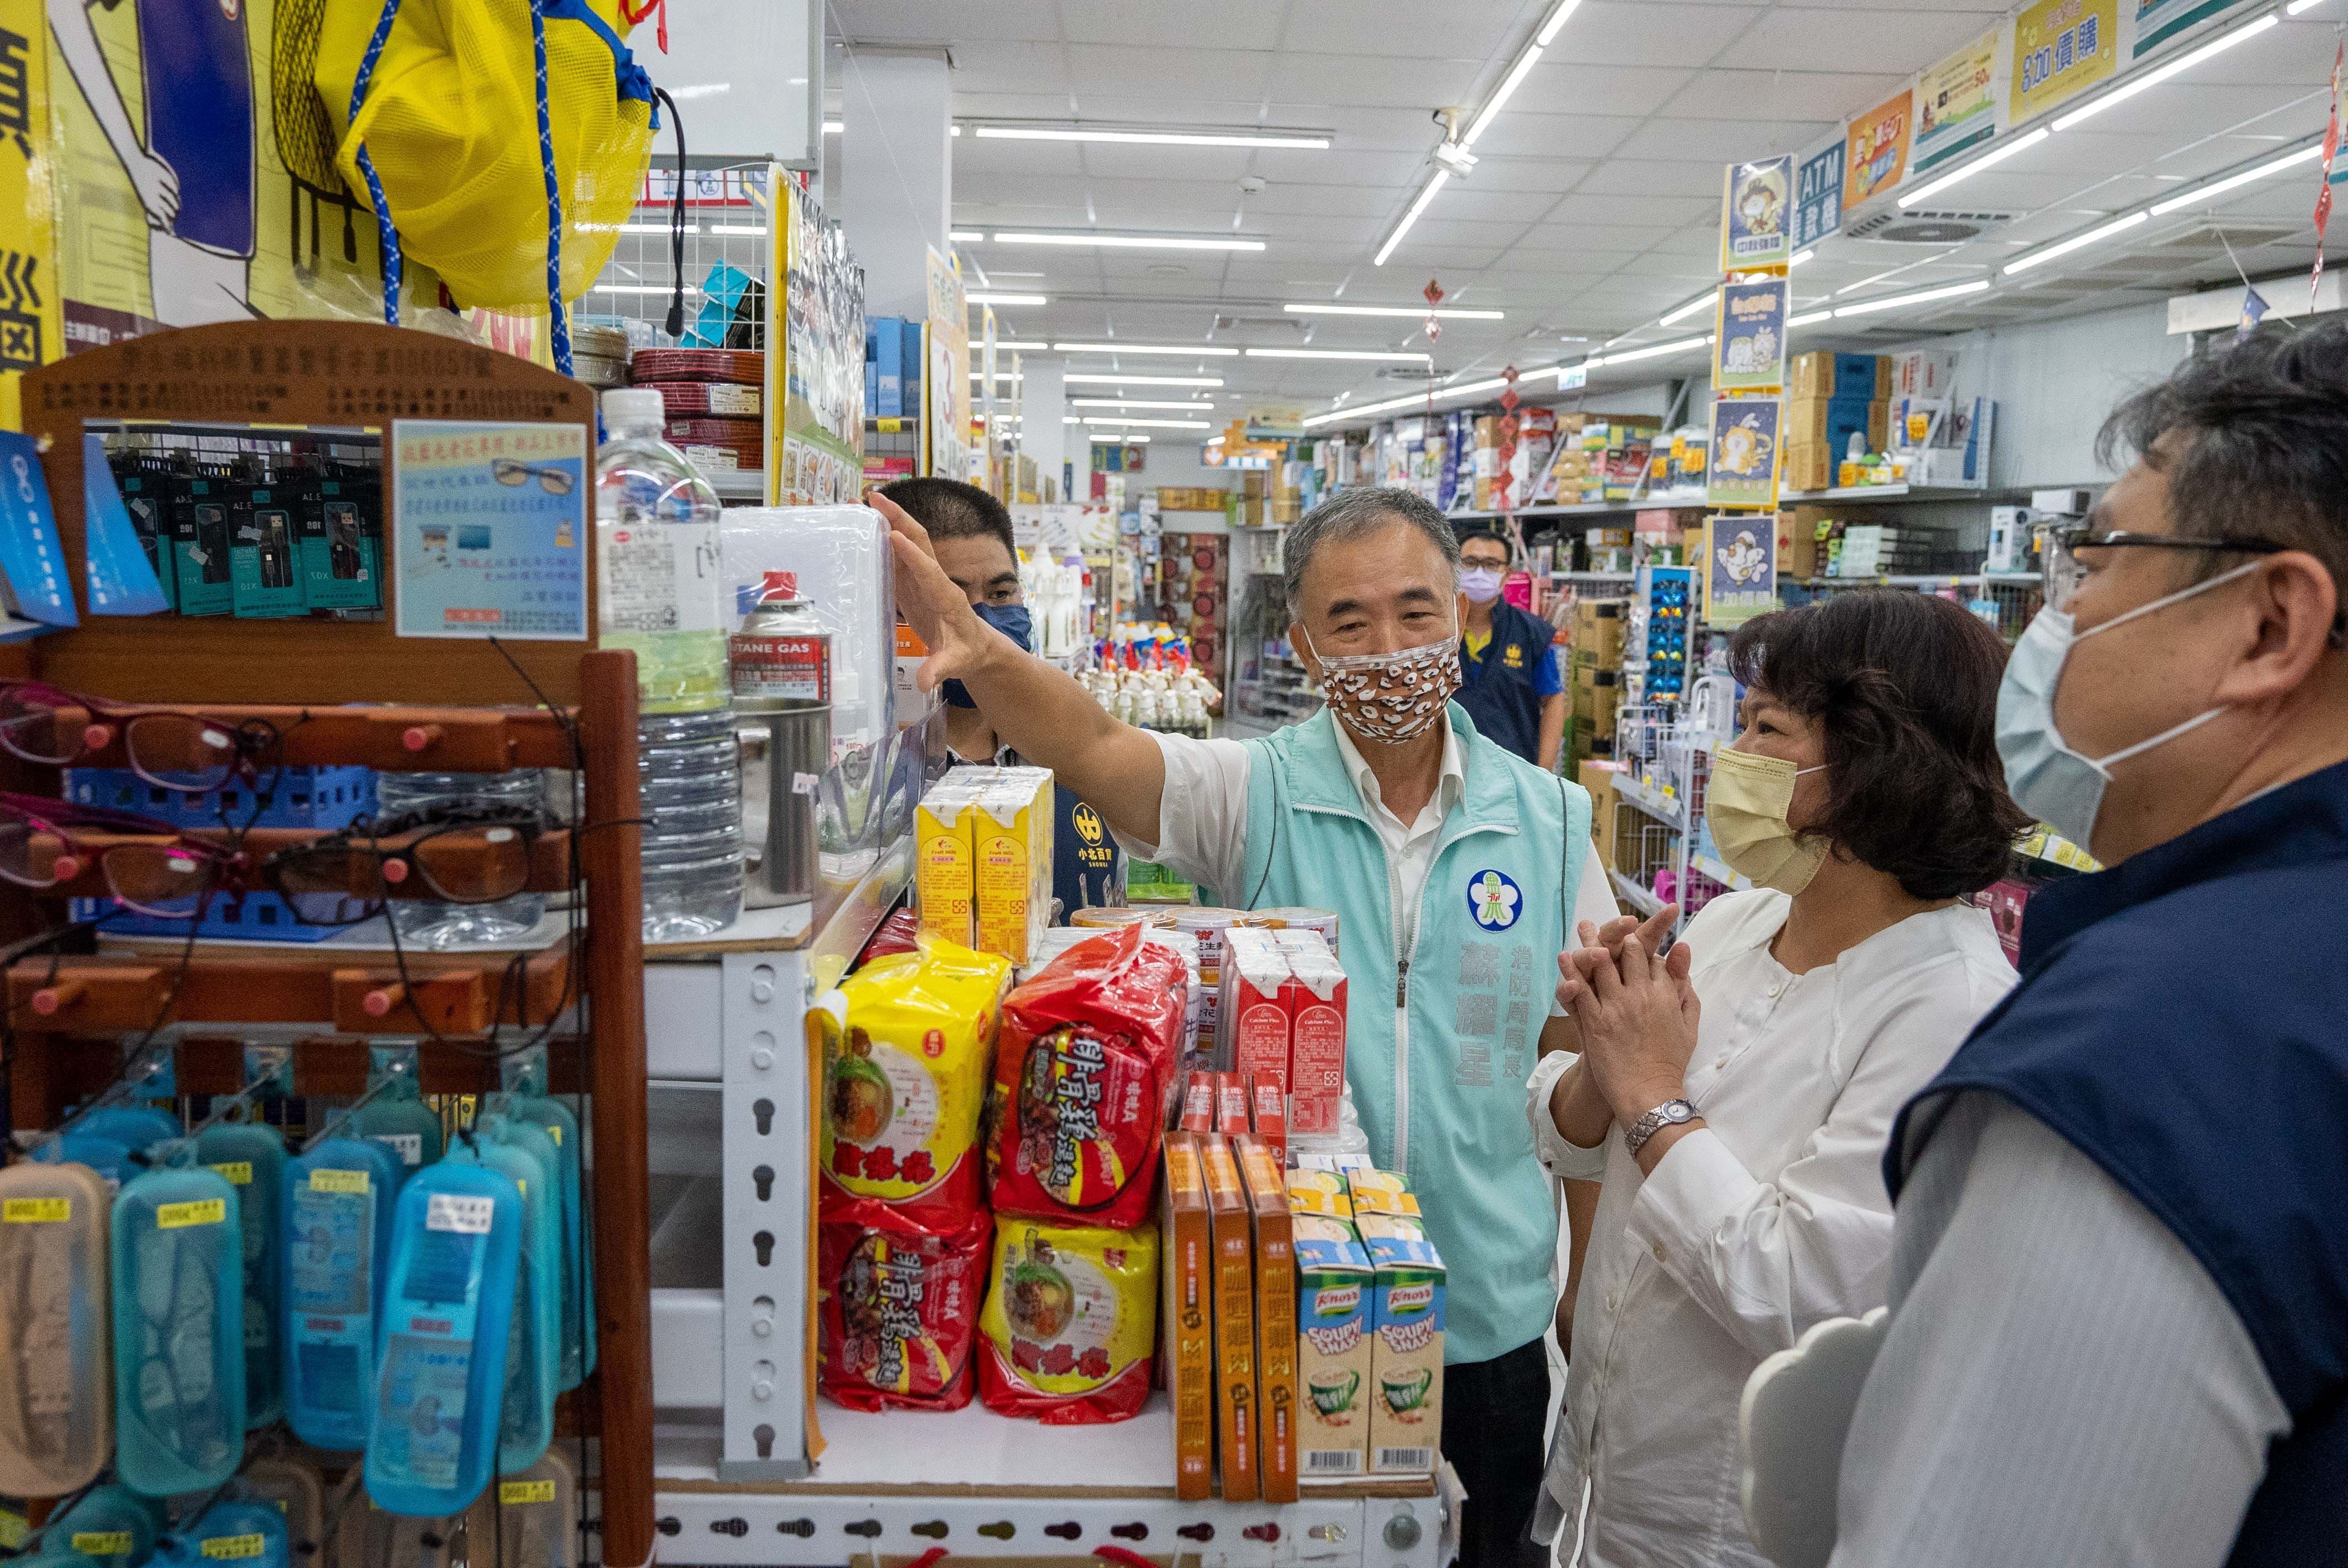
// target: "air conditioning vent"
[[1413, 373], [1927, 226], [1281, 323]]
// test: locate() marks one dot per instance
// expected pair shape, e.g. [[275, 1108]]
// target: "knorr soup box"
[[1406, 1343], [1332, 1321]]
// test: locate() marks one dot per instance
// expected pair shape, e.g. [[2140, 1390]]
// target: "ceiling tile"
[[1555, 135], [1105, 69], [1410, 28], [1629, 33], [910, 21], [1374, 81], [1724, 140], [1566, 87], [1793, 95], [1904, 37], [1656, 178], [1545, 174]]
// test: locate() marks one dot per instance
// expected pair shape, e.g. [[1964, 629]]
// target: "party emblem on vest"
[[1088, 824], [1514, 658], [1493, 898]]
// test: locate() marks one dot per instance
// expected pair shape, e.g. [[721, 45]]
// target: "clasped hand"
[[1635, 1011]]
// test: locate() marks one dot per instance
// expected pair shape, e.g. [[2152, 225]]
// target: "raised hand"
[[958, 640]]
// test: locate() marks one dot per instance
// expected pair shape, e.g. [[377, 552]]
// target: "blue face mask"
[[2047, 778], [1013, 621]]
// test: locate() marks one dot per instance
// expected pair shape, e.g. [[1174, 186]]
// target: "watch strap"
[[1670, 1113]]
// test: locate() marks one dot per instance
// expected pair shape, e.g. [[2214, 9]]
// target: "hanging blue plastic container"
[[576, 1313], [400, 1120], [234, 1532], [526, 1419], [112, 1526], [432, 1438], [336, 1215], [136, 1128], [178, 1253], [109, 1159], [251, 1158]]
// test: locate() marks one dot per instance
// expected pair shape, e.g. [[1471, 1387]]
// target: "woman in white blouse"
[[1734, 1095]]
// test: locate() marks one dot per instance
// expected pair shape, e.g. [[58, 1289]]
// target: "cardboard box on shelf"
[[1598, 777], [1923, 373], [1187, 1343], [1824, 374], [1234, 1299], [1807, 466], [1332, 1314], [1830, 422], [1276, 1317]]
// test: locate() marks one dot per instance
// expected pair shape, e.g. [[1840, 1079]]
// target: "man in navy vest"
[[2119, 1293], [1511, 684]]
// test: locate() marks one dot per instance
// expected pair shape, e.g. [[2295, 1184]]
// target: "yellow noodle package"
[[1070, 1320]]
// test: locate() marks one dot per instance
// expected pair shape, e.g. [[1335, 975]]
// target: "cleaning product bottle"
[[112, 1526], [109, 1159], [251, 1157], [56, 1424], [528, 1521], [526, 1418], [244, 1531], [136, 1128], [432, 1438], [178, 1254], [294, 1486], [526, 1100], [397, 1117], [336, 1213]]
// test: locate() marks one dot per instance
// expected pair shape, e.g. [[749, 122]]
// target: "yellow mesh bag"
[[450, 120]]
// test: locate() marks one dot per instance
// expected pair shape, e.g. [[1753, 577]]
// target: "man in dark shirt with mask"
[[970, 532]]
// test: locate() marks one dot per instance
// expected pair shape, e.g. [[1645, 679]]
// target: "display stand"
[[300, 372]]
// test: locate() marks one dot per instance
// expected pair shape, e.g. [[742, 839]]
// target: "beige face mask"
[[1746, 804]]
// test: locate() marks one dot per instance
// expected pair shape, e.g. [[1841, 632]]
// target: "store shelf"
[[1638, 898], [1879, 493], [1593, 576], [1672, 500], [1896, 579], [1665, 810], [737, 484], [1705, 866]]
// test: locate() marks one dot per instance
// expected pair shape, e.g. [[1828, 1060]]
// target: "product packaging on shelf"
[[1405, 1324], [1070, 1320], [897, 1306], [1252, 1022], [1236, 1416], [1197, 1112], [905, 1086], [1187, 1345], [1268, 1117], [1275, 1317], [1084, 1064], [1231, 1104], [1012, 848], [944, 884], [53, 1246], [1314, 999], [1332, 1318]]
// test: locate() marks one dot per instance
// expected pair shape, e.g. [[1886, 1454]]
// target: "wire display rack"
[[726, 232]]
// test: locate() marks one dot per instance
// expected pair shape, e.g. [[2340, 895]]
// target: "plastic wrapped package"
[[897, 1306], [528, 1520], [905, 1082], [112, 1526], [1070, 1321], [298, 1490], [369, 1536], [177, 1251], [55, 1425], [839, 556], [1083, 1065]]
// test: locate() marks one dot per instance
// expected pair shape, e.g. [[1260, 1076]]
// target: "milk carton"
[[945, 869], [1314, 999], [1011, 855], [1254, 1021], [1332, 1321]]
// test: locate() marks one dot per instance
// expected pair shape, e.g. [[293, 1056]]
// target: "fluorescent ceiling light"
[[1378, 354], [1921, 297], [1420, 399], [1195, 348], [1676, 346], [2299, 6], [1138, 403], [1010, 375], [759, 228], [1501, 95], [1810, 318], [1801, 257], [2075, 243], [1118, 378], [2201, 194], [966, 236], [834, 127], [1127, 241], [1446, 313], [655, 229], [1995, 156], [1006, 299], [1152, 424], [2136, 84], [1215, 440], [1556, 19], [1703, 302], [1013, 342], [1306, 140], [1111, 438], [1427, 194]]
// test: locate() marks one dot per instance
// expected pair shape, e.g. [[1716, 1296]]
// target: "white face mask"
[[2061, 787], [1481, 584], [1391, 696]]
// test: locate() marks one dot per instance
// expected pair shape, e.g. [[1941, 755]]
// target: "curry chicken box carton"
[[1405, 1324], [1186, 1346], [1236, 1419], [1275, 1317], [1333, 1328]]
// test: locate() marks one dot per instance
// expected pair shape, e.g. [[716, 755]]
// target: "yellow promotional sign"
[[1956, 101], [30, 330], [2061, 48], [1876, 149]]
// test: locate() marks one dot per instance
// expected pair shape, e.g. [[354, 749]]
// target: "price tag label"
[[513, 1494], [102, 1542], [202, 1212], [458, 1212], [554, 1131], [36, 1211], [237, 1172], [409, 1146], [332, 1181], [231, 1547]]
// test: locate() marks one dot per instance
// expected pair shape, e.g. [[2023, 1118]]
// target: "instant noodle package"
[[1070, 1321], [1083, 1068], [904, 1083], [896, 1306]]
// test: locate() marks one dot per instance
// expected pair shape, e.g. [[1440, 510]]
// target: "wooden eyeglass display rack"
[[297, 673]]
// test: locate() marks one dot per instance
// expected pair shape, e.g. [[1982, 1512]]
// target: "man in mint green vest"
[[1458, 872]]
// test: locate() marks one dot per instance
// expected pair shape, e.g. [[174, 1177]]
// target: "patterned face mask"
[[1391, 696]]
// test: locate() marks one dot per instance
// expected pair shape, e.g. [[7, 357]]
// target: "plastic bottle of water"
[[663, 594], [429, 923]]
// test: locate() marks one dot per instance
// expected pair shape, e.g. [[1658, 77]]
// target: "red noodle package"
[[1083, 1068], [896, 1306]]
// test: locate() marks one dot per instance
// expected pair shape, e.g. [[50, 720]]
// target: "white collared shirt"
[[1769, 1218]]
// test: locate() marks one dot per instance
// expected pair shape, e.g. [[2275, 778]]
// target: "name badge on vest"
[[1494, 900]]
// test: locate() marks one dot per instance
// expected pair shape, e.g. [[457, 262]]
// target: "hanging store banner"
[[1740, 568], [1957, 101], [947, 372], [1875, 149], [2157, 20], [1743, 462], [2061, 48], [1749, 332], [1756, 215], [30, 331], [813, 446], [1817, 194]]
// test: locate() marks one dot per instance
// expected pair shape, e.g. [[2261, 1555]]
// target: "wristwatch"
[[1670, 1113]]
